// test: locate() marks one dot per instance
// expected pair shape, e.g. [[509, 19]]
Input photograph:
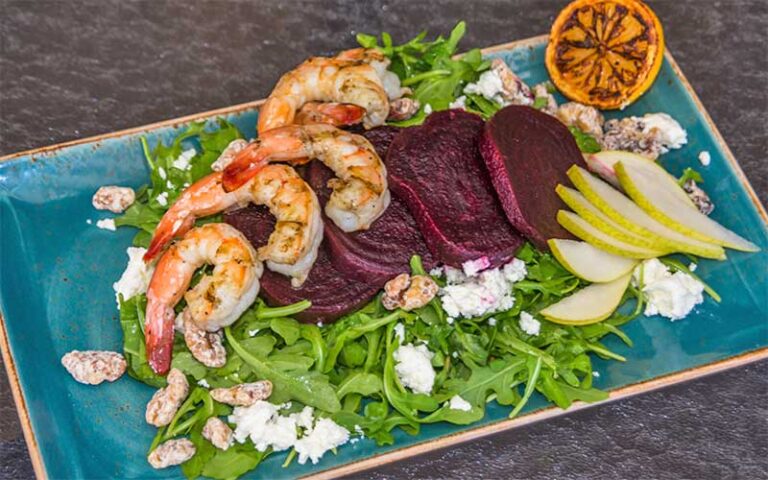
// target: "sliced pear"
[[589, 262], [604, 163], [630, 216], [587, 232], [654, 196], [589, 305], [603, 222]]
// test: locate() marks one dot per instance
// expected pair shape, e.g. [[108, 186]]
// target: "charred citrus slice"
[[605, 53]]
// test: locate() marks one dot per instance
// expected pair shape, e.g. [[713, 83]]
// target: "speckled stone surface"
[[77, 68]]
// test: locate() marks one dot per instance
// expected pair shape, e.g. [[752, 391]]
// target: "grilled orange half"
[[605, 53]]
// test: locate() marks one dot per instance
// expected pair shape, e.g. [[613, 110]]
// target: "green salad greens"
[[346, 370]]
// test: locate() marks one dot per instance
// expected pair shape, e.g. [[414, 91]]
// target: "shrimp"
[[358, 77], [336, 114], [360, 191], [216, 301], [292, 246]]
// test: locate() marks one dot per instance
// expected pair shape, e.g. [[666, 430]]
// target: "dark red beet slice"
[[332, 293], [437, 170], [378, 254], [527, 153]]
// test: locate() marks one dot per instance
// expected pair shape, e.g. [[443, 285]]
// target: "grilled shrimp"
[[216, 301], [360, 191], [292, 247], [358, 77]]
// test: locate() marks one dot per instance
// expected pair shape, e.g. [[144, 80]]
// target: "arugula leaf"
[[586, 142], [690, 174], [134, 349], [235, 461]]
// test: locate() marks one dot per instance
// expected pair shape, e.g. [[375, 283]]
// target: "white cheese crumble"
[[489, 85], [161, 172], [492, 321], [106, 224], [203, 383], [326, 435], [671, 295], [136, 277], [596, 374], [705, 158], [304, 418], [473, 267], [458, 403], [460, 102], [671, 134], [252, 333], [162, 199], [266, 428], [530, 325], [182, 162], [89, 221], [427, 109], [692, 267], [414, 367], [487, 292], [400, 332]]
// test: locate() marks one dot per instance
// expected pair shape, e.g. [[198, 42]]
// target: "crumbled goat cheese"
[[705, 158], [460, 102], [671, 295], [162, 199], [182, 162], [400, 332], [264, 426], [204, 383], [89, 221], [450, 320], [458, 403], [427, 109], [169, 185], [252, 333], [136, 277], [489, 86], [436, 272], [326, 435], [414, 367], [473, 267], [492, 321], [673, 135], [106, 224], [487, 292], [161, 172], [530, 325], [304, 418], [692, 266], [596, 374]]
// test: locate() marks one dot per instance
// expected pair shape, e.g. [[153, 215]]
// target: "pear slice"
[[630, 216], [587, 232], [588, 262], [663, 204], [603, 222], [604, 163], [591, 304]]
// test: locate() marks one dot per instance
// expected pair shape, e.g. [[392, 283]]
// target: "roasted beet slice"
[[527, 153], [332, 293], [437, 170], [378, 254]]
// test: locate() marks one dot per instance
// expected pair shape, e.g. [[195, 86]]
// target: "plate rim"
[[627, 391]]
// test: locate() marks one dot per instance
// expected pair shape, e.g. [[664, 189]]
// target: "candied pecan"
[[244, 394], [630, 134], [113, 198], [540, 91], [587, 119], [218, 433], [229, 154], [403, 108], [93, 366], [206, 347], [166, 401], [408, 292], [699, 197], [172, 452], [515, 91]]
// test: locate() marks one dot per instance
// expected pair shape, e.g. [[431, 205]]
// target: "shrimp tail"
[[244, 167], [159, 336], [165, 231]]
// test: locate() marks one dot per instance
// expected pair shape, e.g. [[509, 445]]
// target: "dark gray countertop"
[[70, 69]]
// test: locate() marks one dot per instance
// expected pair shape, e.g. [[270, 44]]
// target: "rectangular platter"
[[56, 295]]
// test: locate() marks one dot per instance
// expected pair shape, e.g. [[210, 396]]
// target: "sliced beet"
[[378, 254], [332, 293], [437, 170], [527, 153]]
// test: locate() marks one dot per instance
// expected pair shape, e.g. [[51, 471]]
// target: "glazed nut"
[[218, 433], [403, 108], [93, 367], [206, 347], [514, 90], [587, 119], [113, 198], [243, 395], [171, 452], [699, 197], [408, 293], [166, 401], [229, 154]]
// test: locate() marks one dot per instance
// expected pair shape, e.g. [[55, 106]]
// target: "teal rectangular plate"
[[56, 295]]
